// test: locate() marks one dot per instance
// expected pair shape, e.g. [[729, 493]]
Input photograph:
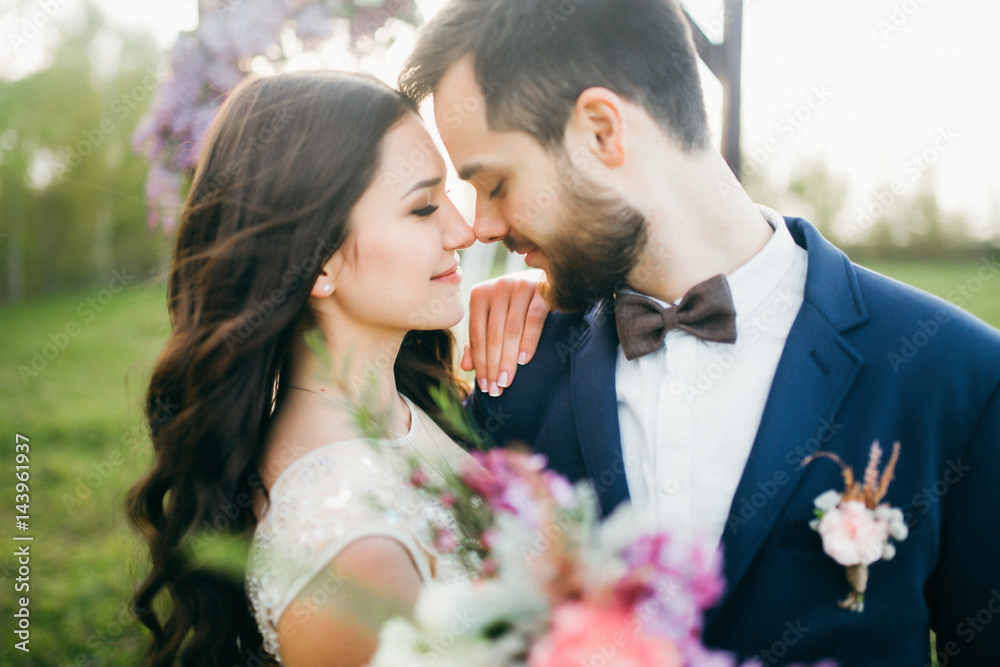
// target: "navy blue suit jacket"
[[867, 358]]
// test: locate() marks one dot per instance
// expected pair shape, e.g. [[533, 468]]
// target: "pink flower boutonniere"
[[854, 526]]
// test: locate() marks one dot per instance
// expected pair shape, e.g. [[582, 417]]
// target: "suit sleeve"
[[964, 591]]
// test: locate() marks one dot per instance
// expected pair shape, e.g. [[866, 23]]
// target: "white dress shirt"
[[690, 411]]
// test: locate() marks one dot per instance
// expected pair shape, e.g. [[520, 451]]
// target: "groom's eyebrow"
[[429, 183], [471, 170]]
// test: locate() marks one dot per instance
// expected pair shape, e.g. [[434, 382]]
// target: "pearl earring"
[[327, 288]]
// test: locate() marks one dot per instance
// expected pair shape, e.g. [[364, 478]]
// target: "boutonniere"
[[855, 525]]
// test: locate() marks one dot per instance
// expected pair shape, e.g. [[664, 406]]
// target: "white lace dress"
[[339, 493]]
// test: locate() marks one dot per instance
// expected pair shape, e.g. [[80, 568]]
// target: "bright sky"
[[885, 80]]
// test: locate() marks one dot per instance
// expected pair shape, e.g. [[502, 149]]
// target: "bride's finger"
[[479, 310], [466, 363], [538, 310], [517, 314], [496, 325]]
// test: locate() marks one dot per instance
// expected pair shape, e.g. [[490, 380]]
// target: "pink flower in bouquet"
[[489, 538], [445, 541], [489, 567], [510, 482], [560, 488], [448, 499], [418, 478], [706, 584], [672, 582], [581, 633], [852, 535]]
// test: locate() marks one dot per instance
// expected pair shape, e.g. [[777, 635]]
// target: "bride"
[[318, 204]]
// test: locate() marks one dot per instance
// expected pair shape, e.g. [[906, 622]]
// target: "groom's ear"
[[596, 127]]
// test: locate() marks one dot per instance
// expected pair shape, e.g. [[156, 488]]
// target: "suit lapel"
[[595, 406], [817, 369]]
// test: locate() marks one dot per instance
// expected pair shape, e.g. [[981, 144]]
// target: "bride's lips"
[[452, 275]]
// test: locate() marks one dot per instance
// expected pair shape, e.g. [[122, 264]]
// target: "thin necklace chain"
[[346, 407]]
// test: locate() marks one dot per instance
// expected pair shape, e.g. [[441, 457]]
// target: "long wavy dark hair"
[[285, 162]]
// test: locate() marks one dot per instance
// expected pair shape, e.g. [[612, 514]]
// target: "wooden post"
[[733, 58], [725, 60]]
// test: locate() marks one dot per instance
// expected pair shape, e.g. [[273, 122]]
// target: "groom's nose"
[[488, 225]]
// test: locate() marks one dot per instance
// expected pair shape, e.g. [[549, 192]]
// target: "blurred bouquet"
[[550, 584]]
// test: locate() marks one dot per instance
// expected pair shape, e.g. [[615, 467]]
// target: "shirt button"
[[670, 486]]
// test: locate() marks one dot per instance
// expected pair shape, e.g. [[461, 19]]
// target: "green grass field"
[[81, 412], [80, 409]]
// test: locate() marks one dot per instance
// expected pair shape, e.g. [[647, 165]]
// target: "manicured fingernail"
[[483, 385], [494, 390], [504, 379], [522, 358]]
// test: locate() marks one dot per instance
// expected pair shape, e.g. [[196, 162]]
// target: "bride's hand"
[[506, 316]]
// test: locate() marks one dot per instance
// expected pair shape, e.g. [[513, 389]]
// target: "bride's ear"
[[326, 282]]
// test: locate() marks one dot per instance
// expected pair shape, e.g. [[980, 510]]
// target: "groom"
[[705, 347]]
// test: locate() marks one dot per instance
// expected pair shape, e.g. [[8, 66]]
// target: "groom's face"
[[534, 201]]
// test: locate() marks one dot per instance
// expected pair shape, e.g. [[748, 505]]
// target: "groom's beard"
[[597, 243]]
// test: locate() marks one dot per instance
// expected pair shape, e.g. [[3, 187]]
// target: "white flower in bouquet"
[[603, 561], [470, 609], [401, 644]]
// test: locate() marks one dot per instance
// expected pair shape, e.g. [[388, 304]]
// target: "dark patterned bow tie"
[[706, 312]]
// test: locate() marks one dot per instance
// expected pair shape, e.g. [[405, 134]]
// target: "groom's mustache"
[[516, 243]]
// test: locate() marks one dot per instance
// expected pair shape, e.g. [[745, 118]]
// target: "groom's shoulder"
[[549, 367], [892, 304], [890, 307], [918, 336], [561, 335]]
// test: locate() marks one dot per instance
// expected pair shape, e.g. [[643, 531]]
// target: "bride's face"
[[399, 268]]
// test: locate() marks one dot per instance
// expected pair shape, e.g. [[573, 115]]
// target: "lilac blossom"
[[207, 63]]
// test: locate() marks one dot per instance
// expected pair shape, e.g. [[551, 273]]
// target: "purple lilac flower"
[[205, 65]]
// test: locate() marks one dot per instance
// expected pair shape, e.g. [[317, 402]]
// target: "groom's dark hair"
[[533, 58]]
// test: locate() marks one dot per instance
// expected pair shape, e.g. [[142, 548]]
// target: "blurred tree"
[[822, 193], [71, 186], [911, 224], [760, 188], [928, 230], [814, 192]]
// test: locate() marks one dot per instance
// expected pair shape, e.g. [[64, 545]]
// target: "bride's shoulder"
[[354, 464], [293, 438]]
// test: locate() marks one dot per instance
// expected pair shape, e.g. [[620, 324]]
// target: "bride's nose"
[[457, 232]]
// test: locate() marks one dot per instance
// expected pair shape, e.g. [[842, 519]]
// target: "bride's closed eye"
[[425, 211]]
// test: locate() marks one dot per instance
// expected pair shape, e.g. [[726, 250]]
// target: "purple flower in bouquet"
[[503, 480], [669, 584]]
